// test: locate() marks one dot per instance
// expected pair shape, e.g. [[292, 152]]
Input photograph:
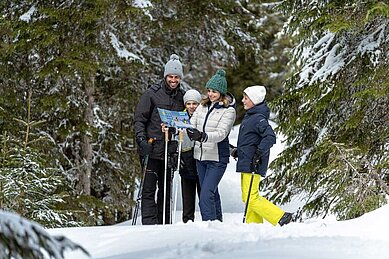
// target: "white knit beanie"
[[173, 67], [256, 93], [192, 95]]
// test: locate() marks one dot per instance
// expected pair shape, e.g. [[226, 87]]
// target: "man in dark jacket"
[[165, 94]]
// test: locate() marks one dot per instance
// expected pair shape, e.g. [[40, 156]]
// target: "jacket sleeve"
[[193, 119], [142, 115], [267, 135], [223, 127]]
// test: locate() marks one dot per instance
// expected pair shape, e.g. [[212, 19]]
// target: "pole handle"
[[180, 135]]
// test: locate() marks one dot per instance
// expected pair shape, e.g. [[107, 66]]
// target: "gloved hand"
[[145, 148], [195, 134], [234, 152], [172, 130], [257, 161]]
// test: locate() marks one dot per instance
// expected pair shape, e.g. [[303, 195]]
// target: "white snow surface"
[[364, 237]]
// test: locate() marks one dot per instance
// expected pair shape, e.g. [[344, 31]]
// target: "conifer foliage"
[[85, 64], [262, 63], [334, 109], [29, 185], [21, 238], [61, 53]]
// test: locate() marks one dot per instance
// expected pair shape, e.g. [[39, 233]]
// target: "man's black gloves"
[[195, 134], [145, 148], [172, 130], [257, 161]]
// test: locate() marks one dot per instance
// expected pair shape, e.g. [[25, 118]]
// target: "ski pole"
[[248, 198], [177, 172], [165, 176], [144, 168]]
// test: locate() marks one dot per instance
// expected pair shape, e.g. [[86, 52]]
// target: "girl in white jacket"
[[212, 122]]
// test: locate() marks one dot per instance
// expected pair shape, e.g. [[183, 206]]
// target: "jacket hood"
[[261, 108], [232, 100]]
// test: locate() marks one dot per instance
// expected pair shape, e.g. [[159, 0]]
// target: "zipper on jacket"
[[205, 122]]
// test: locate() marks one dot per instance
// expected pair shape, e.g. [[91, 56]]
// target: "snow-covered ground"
[[364, 237]]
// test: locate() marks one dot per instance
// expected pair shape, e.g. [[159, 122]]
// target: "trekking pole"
[[165, 176], [248, 198], [177, 171], [144, 168]]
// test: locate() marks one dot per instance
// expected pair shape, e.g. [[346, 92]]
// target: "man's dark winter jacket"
[[255, 133], [147, 121]]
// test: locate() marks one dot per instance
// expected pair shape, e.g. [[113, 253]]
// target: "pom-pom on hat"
[[256, 93], [173, 67], [218, 82], [192, 95]]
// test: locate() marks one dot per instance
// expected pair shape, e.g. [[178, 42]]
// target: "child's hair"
[[223, 98]]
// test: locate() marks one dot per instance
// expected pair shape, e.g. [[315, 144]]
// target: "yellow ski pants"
[[259, 208]]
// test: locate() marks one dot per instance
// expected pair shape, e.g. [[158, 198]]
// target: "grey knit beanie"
[[218, 82], [173, 67], [192, 95]]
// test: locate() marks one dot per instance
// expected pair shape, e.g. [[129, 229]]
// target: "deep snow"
[[364, 237]]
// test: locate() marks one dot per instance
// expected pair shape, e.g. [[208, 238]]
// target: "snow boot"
[[286, 219]]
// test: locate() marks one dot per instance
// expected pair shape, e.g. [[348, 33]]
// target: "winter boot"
[[286, 219]]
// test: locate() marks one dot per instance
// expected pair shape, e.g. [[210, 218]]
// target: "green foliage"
[[56, 54], [265, 63], [339, 24], [85, 65], [30, 187], [378, 9], [333, 112]]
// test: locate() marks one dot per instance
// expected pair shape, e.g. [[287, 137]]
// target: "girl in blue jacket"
[[255, 139]]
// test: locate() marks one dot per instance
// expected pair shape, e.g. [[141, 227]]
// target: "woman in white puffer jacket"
[[212, 122]]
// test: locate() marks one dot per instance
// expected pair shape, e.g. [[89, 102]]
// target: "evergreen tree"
[[264, 63], [333, 109], [61, 51], [87, 62], [29, 185]]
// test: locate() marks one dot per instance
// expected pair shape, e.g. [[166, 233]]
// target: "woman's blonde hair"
[[223, 98]]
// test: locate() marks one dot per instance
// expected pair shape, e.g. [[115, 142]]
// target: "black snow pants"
[[152, 211]]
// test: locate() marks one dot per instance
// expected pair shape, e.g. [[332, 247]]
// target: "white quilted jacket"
[[217, 125]]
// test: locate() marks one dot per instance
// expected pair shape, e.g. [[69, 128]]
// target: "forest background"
[[72, 73]]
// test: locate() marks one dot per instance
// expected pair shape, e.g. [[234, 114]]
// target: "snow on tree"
[[87, 63], [29, 184], [334, 109], [21, 238]]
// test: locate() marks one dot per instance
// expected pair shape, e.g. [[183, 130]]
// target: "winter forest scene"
[[73, 75]]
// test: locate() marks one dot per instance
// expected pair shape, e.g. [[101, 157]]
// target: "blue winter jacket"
[[255, 133]]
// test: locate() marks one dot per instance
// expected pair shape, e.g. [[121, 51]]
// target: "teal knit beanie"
[[218, 82]]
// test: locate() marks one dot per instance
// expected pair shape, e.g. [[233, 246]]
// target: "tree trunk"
[[86, 139]]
